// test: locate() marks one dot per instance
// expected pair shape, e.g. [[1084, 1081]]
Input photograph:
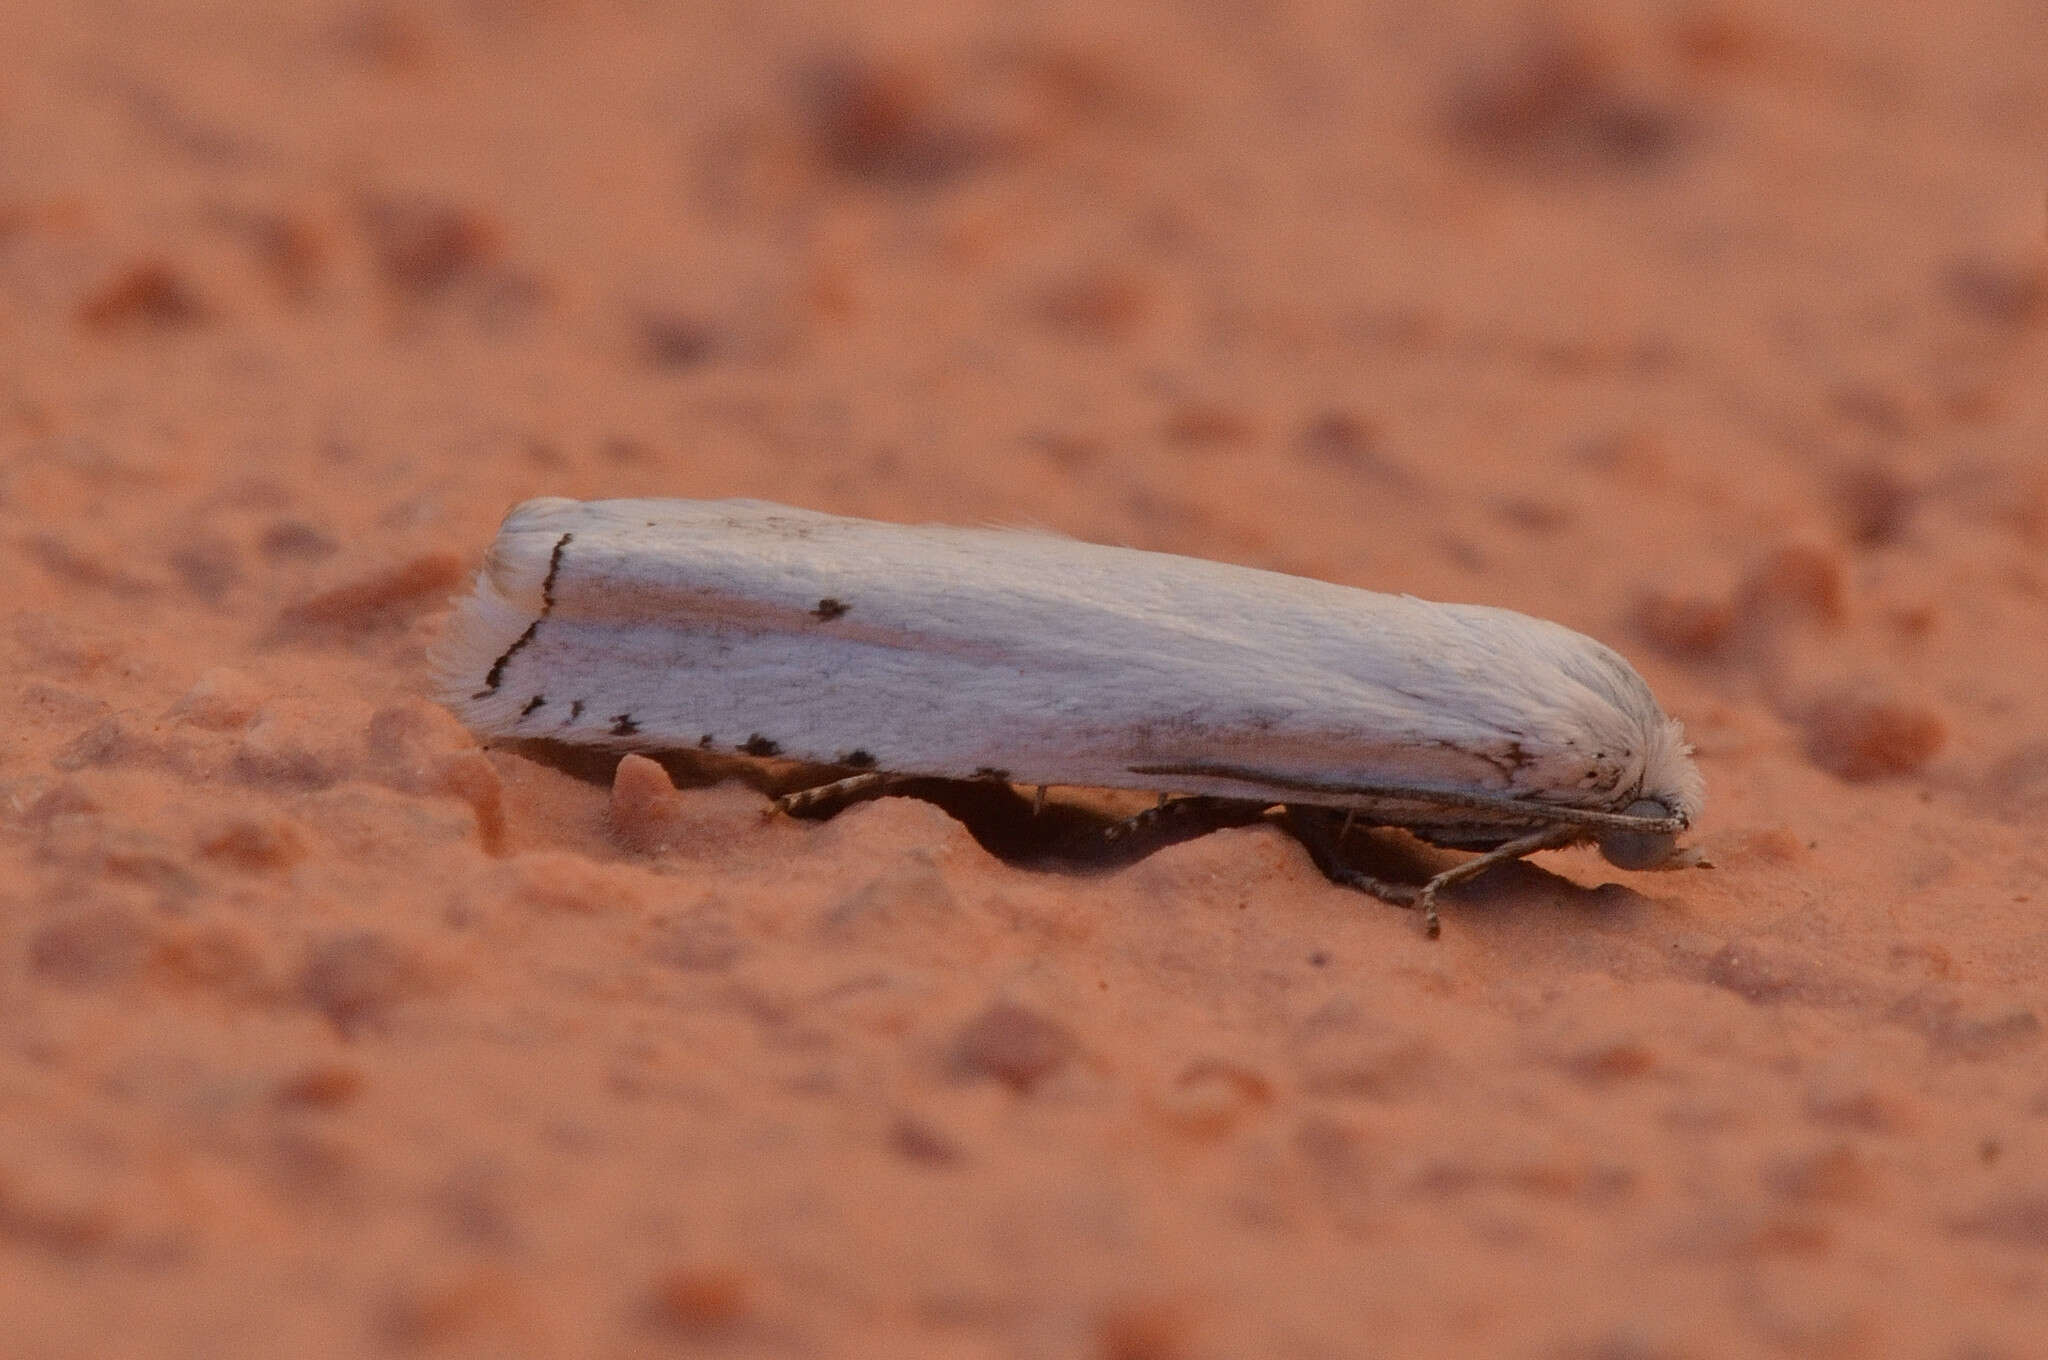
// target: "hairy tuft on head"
[[1669, 774]]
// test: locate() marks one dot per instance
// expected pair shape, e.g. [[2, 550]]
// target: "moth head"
[[1648, 849]]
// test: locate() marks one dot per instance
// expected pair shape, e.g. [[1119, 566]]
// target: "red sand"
[[1713, 330]]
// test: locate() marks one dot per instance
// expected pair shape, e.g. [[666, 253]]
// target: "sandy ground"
[[1714, 330]]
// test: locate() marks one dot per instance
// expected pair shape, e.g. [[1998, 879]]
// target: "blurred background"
[[1713, 328]]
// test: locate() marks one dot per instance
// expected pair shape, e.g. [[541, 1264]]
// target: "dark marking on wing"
[[1521, 810], [531, 704], [575, 710], [758, 745], [624, 726], [858, 759], [829, 609], [1001, 776], [495, 676], [547, 585], [705, 741]]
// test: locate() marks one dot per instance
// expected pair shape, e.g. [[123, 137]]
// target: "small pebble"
[[1836, 1174], [1690, 626], [703, 1298], [1795, 583], [1205, 425], [1877, 505], [424, 245], [63, 646], [291, 248], [1858, 736], [377, 599], [646, 810], [207, 565], [1012, 1044], [289, 541], [468, 1308], [407, 742], [296, 744], [1213, 1096], [1340, 439], [1997, 291], [147, 295], [108, 742], [673, 342], [356, 978], [259, 844], [918, 1141], [1605, 1063], [68, 798], [1150, 1329], [322, 1086], [2015, 1218], [1556, 103], [223, 959], [470, 776], [223, 700], [1844, 1094], [1097, 304], [885, 123], [2015, 789], [88, 947]]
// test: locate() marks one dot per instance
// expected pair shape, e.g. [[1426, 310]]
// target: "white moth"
[[741, 626]]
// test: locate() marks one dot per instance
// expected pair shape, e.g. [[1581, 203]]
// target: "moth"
[[896, 651]]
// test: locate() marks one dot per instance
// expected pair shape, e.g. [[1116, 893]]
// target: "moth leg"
[[1134, 838], [1550, 838], [1181, 819], [837, 795], [1318, 833]]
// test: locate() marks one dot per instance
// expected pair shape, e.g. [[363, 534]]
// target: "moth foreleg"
[[828, 799], [1321, 835], [1550, 838]]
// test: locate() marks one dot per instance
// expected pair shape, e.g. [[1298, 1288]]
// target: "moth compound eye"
[[1640, 849]]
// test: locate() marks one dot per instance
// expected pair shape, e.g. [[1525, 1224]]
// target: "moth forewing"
[[739, 626]]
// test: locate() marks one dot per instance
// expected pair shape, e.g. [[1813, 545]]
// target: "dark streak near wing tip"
[[859, 759], [624, 726], [705, 742], [531, 704], [829, 609], [575, 710], [996, 773], [547, 585], [758, 745], [495, 676]]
